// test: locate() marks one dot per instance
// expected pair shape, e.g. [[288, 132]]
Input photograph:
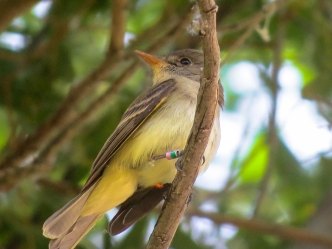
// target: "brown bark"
[[12, 8], [175, 204]]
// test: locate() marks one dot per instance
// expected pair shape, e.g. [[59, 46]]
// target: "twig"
[[118, 26], [62, 117], [272, 133], [253, 20], [175, 204], [61, 187], [255, 225], [43, 43], [252, 24], [37, 48], [327, 153], [234, 176], [11, 9], [6, 87]]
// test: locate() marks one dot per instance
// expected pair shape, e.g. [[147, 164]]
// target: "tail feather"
[[67, 226], [80, 228], [136, 207], [62, 220]]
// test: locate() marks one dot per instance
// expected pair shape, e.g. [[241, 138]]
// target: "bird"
[[132, 171]]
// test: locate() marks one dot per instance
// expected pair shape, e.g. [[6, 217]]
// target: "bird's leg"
[[173, 154], [170, 155]]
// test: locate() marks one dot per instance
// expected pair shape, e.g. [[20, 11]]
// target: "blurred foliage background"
[[66, 79]]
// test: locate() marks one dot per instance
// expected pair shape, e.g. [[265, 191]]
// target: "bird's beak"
[[152, 60]]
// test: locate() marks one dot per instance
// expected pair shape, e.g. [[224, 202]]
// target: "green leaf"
[[254, 165], [4, 129]]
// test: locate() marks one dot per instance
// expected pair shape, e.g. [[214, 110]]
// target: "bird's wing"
[[131, 120]]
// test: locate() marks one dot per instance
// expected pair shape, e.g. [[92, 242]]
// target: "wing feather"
[[132, 119]]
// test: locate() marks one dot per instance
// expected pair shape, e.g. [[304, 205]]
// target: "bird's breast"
[[166, 129]]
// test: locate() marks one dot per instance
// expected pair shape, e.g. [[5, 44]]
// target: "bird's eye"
[[185, 61]]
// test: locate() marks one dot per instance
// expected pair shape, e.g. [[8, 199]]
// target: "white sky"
[[42, 8]]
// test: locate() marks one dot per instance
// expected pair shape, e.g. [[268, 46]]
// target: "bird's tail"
[[61, 221], [73, 235], [67, 226]]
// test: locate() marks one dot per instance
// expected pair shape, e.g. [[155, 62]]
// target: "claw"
[[190, 197], [203, 160], [179, 166]]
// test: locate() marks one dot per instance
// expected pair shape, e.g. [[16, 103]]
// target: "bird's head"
[[186, 63]]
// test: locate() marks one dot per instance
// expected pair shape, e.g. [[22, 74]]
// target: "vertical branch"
[[118, 26], [11, 9], [175, 204], [272, 136]]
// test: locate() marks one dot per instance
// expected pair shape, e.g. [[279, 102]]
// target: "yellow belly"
[[166, 131], [155, 172], [115, 186]]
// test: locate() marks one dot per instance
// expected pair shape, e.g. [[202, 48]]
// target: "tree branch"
[[65, 113], [267, 10], [43, 43], [272, 128], [12, 8], [118, 26], [251, 24], [175, 204], [256, 225]]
